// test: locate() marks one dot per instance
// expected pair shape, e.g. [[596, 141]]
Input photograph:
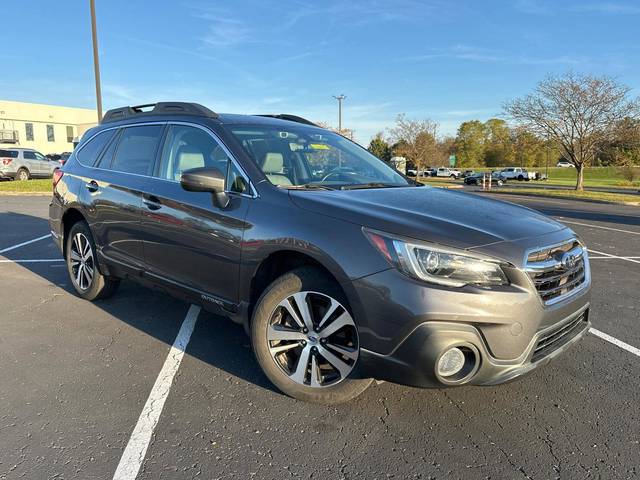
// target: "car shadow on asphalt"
[[216, 340]]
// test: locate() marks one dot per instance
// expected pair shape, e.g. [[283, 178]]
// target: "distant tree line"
[[586, 120]]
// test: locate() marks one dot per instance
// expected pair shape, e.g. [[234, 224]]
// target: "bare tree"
[[580, 112], [346, 132], [415, 140]]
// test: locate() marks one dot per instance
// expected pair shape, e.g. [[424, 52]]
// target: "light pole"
[[96, 63], [340, 98]]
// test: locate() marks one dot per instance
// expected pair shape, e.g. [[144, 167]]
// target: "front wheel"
[[305, 339], [82, 265]]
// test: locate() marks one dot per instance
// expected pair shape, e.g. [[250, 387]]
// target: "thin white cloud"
[[606, 8], [476, 54], [225, 32]]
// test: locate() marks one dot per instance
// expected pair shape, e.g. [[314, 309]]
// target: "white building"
[[46, 128]]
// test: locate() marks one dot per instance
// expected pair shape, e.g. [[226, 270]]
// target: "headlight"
[[437, 264]]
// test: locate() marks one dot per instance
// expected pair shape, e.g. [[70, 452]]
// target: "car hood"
[[436, 215]]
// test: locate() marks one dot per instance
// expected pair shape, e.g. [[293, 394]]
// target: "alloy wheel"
[[313, 339], [23, 175], [82, 263]]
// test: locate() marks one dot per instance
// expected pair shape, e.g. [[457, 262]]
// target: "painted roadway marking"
[[610, 258], [8, 249], [136, 449], [562, 219], [616, 342], [608, 255], [39, 260]]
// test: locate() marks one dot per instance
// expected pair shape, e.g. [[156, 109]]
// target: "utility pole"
[[340, 98], [96, 63]]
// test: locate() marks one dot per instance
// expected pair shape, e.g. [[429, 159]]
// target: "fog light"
[[451, 362]]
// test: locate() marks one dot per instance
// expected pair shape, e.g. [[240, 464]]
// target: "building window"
[[69, 134], [29, 131], [50, 136]]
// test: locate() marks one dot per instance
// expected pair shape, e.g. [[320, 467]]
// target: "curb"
[[560, 197], [32, 194]]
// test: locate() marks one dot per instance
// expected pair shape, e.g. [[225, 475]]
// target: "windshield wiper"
[[309, 186], [357, 186]]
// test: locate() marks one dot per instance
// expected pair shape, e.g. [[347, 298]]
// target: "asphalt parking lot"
[[76, 379]]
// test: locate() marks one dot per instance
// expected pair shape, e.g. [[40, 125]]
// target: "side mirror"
[[206, 179]]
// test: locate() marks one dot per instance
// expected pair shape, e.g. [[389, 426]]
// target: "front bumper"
[[405, 326], [414, 361]]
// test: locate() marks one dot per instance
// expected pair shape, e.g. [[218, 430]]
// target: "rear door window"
[[29, 155], [90, 151], [137, 149]]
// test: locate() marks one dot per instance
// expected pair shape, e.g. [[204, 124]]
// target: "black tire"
[[23, 174], [520, 178], [304, 279], [100, 286]]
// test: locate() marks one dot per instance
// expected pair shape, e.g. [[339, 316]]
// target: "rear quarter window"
[[9, 153], [90, 152]]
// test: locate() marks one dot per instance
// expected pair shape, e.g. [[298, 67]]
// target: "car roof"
[[18, 148]]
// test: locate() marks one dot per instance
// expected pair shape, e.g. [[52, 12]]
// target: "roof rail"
[[289, 117], [160, 108]]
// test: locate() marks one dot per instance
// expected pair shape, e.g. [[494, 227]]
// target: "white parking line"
[[616, 342], [610, 258], [136, 449], [628, 259], [598, 226], [8, 249], [39, 260]]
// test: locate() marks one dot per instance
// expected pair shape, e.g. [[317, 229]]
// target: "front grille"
[[558, 336], [557, 271]]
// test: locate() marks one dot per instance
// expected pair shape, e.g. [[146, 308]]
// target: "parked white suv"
[[564, 164], [447, 172], [517, 173], [25, 163]]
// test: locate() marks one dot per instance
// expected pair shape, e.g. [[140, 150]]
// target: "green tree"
[[498, 145], [380, 148], [470, 144]]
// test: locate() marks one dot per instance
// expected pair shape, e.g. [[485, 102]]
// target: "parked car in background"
[[476, 179], [517, 173], [64, 156], [467, 173], [411, 172], [25, 163], [564, 164], [339, 278], [447, 172]]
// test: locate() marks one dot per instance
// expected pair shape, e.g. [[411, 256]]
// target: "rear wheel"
[[82, 265], [23, 174], [305, 338]]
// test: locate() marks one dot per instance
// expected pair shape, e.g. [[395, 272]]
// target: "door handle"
[[92, 186], [152, 202]]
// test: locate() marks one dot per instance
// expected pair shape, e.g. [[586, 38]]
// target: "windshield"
[[305, 157]]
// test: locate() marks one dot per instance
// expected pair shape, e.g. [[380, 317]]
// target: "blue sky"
[[450, 61]]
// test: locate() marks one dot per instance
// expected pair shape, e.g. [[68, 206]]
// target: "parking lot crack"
[[504, 453]]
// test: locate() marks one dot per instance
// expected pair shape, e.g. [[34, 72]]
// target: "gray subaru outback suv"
[[339, 268]]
